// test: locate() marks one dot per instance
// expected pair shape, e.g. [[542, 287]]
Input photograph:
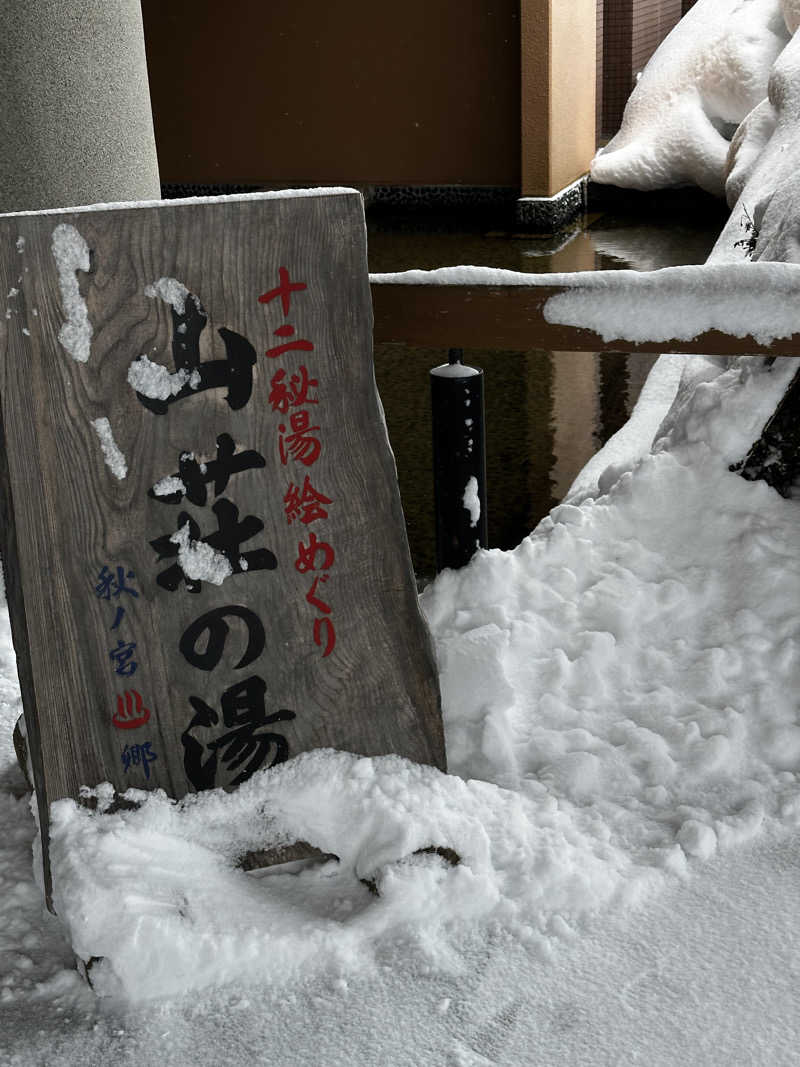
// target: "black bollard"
[[459, 461]]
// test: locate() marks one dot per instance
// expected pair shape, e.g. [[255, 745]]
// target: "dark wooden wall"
[[423, 93]]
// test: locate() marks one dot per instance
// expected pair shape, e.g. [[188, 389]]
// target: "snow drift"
[[619, 702], [702, 81]]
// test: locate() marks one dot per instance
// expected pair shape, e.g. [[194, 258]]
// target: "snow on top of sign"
[[156, 382], [200, 561], [71, 254], [115, 460], [676, 303], [470, 499], [171, 291], [275, 194]]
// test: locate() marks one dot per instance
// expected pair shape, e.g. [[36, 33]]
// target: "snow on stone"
[[114, 459], [71, 254], [791, 14], [171, 291], [155, 381], [746, 146], [470, 499], [702, 81], [200, 561], [766, 176]]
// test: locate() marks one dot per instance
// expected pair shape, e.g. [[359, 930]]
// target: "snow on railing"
[[716, 309]]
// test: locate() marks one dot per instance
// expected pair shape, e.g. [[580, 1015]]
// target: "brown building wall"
[[632, 31], [558, 93], [423, 93], [653, 20], [598, 85], [572, 90]]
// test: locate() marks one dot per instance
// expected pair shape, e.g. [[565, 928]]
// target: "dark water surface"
[[545, 415]]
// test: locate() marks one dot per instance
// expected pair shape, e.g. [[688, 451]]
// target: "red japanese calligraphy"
[[301, 503], [324, 635], [283, 394], [131, 711], [301, 443], [284, 290], [278, 350], [304, 503], [307, 555], [313, 599]]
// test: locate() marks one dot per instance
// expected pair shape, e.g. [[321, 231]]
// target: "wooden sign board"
[[205, 555]]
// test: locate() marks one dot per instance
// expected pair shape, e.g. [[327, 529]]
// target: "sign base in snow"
[[204, 549]]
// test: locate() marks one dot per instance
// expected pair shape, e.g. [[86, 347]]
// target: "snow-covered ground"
[[623, 730], [620, 697], [622, 721]]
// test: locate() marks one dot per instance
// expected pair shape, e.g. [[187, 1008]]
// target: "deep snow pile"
[[763, 168], [703, 80], [620, 702]]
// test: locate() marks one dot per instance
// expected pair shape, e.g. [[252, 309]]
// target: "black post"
[[459, 461]]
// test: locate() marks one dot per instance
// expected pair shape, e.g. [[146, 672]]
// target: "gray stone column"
[[75, 119]]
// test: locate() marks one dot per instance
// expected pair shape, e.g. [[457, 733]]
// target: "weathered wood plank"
[[133, 672], [512, 317]]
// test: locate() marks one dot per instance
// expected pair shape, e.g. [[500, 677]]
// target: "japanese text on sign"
[[300, 443]]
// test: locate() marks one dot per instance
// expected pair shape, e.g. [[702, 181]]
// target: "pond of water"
[[546, 413]]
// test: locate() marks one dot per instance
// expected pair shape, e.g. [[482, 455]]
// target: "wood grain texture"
[[511, 316], [66, 516]]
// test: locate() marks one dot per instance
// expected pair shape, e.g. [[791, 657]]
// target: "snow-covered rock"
[[765, 173], [746, 147], [707, 75]]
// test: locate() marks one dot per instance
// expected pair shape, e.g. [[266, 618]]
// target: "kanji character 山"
[[235, 371]]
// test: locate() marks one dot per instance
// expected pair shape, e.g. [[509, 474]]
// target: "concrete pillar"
[[558, 48], [75, 120]]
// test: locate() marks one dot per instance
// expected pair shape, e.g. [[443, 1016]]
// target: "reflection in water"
[[546, 414], [575, 418]]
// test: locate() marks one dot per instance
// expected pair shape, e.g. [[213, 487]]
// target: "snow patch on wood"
[[115, 460], [71, 254]]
